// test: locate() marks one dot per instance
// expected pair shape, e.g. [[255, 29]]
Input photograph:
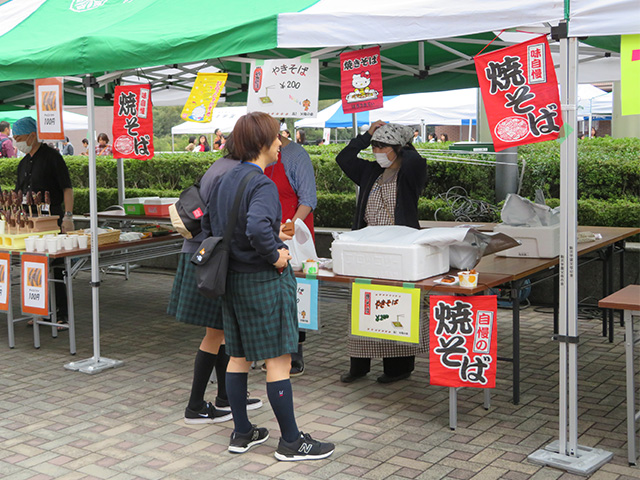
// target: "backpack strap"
[[236, 204]]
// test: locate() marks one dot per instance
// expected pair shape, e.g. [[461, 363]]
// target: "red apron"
[[288, 197]]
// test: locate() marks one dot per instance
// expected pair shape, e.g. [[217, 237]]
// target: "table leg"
[[515, 305], [453, 408], [629, 343], [70, 311], [10, 326], [605, 289], [609, 261]]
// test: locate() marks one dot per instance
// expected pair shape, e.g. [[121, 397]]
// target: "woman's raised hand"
[[375, 125]]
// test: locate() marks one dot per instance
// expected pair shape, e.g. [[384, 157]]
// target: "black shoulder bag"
[[212, 258]]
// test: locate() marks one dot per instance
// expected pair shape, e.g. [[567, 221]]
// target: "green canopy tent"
[[119, 38]]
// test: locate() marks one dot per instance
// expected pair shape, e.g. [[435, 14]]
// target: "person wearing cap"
[[42, 169], [6, 145], [388, 195]]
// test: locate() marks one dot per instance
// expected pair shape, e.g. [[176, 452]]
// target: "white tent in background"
[[432, 108], [593, 100], [224, 118]]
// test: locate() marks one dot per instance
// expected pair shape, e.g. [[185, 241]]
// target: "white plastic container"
[[537, 242], [384, 260]]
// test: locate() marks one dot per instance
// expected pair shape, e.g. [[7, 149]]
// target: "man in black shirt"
[[43, 169]]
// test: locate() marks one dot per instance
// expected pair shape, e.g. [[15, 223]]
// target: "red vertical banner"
[[35, 284], [361, 80], [463, 341], [133, 122], [5, 280], [520, 93]]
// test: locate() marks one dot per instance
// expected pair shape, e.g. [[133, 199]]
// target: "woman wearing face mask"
[[388, 195]]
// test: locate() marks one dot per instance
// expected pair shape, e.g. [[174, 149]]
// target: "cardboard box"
[[158, 207], [384, 260], [537, 242], [135, 206]]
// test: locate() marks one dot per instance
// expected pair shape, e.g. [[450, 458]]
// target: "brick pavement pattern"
[[127, 423]]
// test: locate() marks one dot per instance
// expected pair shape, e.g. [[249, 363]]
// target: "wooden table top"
[[626, 299], [485, 281], [522, 267]]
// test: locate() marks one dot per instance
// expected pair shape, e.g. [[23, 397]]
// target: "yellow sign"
[[204, 97], [387, 313], [630, 74]]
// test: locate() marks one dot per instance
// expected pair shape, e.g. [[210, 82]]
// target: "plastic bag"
[[301, 246]]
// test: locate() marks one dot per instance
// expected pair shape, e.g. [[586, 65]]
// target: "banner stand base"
[[93, 365], [586, 462]]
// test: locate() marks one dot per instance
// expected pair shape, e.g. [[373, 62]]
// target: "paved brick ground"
[[127, 423]]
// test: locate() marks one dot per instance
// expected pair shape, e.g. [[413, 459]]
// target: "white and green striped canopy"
[[45, 38]]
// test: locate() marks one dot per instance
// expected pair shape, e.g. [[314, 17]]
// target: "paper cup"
[[41, 245], [74, 237], [60, 241], [30, 244], [3, 225], [52, 245], [468, 279], [83, 241], [68, 243], [310, 267]]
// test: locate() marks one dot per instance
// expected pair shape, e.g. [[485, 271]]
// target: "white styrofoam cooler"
[[537, 242], [383, 260]]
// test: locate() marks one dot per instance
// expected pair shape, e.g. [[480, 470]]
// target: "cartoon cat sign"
[[361, 80]]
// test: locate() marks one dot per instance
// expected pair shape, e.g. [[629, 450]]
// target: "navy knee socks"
[[202, 369], [281, 399], [237, 394]]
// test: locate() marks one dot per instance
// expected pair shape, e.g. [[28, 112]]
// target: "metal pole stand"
[[93, 365], [565, 453]]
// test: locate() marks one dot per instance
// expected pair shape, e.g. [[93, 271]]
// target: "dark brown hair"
[[103, 136], [253, 132]]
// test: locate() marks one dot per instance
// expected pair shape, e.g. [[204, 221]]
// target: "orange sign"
[[5, 280], [35, 284], [50, 104]]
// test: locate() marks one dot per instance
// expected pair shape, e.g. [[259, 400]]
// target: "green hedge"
[[607, 168]]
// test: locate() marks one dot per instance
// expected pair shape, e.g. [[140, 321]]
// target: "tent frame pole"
[[96, 363], [565, 453]]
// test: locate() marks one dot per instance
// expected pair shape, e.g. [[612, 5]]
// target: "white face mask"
[[24, 147], [383, 160]]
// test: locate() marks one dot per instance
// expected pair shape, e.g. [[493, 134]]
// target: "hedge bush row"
[[608, 168], [337, 210]]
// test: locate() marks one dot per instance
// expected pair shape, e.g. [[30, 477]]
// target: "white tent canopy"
[[223, 118], [593, 100], [433, 108]]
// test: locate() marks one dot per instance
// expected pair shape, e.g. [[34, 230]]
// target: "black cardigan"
[[412, 178]]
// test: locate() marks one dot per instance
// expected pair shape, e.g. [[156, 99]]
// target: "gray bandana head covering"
[[393, 134]]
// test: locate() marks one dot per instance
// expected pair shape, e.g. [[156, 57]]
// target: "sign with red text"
[[35, 284], [520, 93], [50, 104], [387, 313], [285, 88], [5, 280], [133, 122], [463, 341], [361, 80]]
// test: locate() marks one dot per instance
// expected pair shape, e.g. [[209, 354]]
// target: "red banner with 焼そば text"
[[361, 80], [520, 93], [463, 341], [132, 122]]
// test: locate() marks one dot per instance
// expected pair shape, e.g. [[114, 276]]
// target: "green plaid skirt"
[[187, 304], [260, 314]]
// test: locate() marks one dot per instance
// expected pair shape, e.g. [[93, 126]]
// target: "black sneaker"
[[208, 414], [241, 442], [305, 448], [252, 403], [297, 368]]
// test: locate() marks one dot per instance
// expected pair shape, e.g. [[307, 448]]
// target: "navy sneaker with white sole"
[[304, 448], [241, 442], [252, 403], [208, 414]]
